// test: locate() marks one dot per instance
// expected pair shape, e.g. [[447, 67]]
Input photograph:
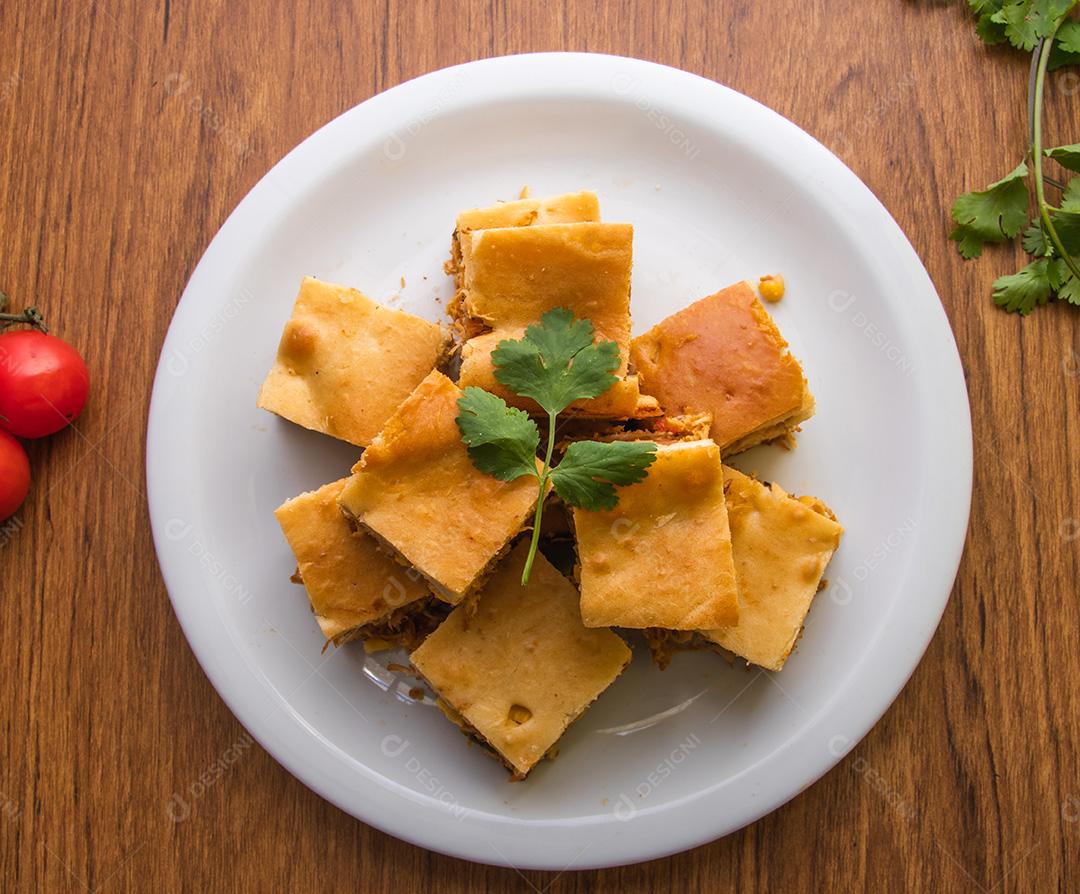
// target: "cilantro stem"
[[1043, 52], [545, 475]]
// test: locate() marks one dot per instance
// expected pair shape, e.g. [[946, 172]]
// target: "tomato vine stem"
[[31, 317]]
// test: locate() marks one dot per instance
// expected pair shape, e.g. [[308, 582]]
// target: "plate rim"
[[437, 830]]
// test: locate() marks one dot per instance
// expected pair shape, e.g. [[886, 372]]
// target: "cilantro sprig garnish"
[[999, 212], [555, 364]]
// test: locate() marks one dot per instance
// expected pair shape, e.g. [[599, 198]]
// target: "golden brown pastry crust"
[[349, 581], [662, 557], [418, 492], [513, 275], [523, 666], [782, 546], [723, 355], [574, 207], [577, 207], [345, 362]]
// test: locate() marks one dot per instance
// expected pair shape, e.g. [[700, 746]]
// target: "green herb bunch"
[[1000, 212], [555, 364]]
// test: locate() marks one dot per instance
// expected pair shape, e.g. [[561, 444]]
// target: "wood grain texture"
[[113, 181]]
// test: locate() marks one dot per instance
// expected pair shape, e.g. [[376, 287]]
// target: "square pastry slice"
[[513, 275], [723, 355], [782, 545], [517, 672], [345, 362], [355, 590], [575, 207], [418, 492], [572, 207], [662, 557]]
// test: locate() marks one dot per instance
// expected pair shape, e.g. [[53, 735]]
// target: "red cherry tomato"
[[43, 383], [14, 475]]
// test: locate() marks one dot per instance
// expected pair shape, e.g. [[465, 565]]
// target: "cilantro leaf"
[[1070, 196], [994, 214], [1023, 22], [1067, 225], [1066, 48], [1066, 156], [1026, 21], [1066, 219], [1035, 240], [1066, 222], [1063, 282], [589, 470], [1068, 36], [990, 31], [1069, 290], [1025, 290], [1058, 273], [501, 440], [556, 362]]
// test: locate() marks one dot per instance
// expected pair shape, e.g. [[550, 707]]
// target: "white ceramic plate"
[[718, 188]]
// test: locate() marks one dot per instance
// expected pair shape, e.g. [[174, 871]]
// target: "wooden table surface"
[[112, 183]]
